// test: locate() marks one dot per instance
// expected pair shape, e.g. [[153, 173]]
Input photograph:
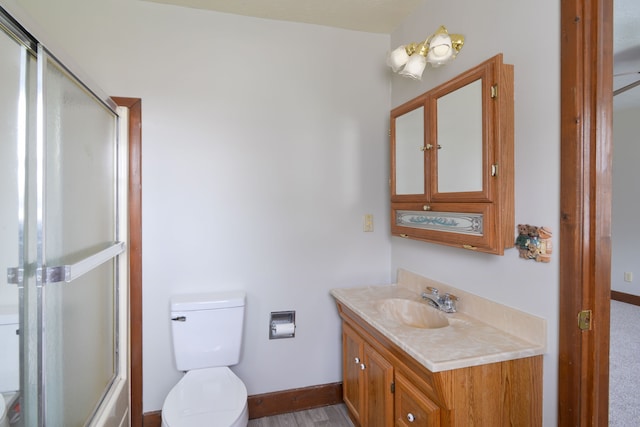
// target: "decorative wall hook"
[[534, 242]]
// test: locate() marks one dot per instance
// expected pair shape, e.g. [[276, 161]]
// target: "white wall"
[[626, 200], [513, 28], [262, 150], [257, 172]]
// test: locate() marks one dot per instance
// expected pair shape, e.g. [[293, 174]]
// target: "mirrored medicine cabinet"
[[452, 162]]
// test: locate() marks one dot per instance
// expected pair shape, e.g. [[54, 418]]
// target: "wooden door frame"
[[585, 210], [135, 256]]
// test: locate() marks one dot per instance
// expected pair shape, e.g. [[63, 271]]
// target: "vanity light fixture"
[[438, 49]]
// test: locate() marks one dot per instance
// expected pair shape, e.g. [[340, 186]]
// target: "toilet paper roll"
[[283, 329]]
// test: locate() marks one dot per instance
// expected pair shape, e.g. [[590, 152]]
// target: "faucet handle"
[[433, 290], [451, 297], [449, 302]]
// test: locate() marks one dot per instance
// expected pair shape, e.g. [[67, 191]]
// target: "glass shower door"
[[78, 246], [17, 221], [63, 179]]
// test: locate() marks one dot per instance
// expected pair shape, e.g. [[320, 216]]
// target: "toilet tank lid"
[[207, 301]]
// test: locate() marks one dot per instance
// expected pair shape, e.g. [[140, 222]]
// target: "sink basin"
[[412, 313]]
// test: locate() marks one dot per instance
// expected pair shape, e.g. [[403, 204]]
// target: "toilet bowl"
[[212, 397]]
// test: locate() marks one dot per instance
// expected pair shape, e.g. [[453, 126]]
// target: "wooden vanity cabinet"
[[383, 386], [353, 377], [412, 407], [368, 382]]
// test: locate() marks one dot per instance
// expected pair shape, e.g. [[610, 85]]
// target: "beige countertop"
[[470, 339]]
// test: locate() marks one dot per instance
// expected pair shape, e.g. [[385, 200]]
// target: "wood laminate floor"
[[334, 416]]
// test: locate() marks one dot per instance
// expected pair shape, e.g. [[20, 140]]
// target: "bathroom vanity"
[[408, 364]]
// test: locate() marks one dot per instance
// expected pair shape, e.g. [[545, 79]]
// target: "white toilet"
[[207, 337]]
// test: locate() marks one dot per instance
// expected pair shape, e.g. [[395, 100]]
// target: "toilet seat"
[[213, 397]]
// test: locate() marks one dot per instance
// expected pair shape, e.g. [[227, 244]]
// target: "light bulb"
[[415, 67], [397, 58]]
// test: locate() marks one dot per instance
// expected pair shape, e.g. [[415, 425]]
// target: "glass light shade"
[[397, 58], [415, 67], [440, 50]]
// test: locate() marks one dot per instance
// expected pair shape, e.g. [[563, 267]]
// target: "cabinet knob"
[[410, 417], [356, 360], [362, 366], [426, 208]]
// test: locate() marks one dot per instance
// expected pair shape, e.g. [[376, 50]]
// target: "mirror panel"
[[459, 139], [409, 157]]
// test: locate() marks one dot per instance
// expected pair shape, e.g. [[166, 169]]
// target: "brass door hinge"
[[494, 91], [584, 320]]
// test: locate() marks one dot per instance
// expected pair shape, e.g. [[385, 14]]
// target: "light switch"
[[368, 223]]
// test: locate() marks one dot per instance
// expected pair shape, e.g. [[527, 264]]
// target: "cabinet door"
[[412, 407], [464, 149], [352, 372], [378, 374], [408, 152]]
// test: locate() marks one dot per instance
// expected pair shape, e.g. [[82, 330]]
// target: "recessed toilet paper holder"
[[282, 325]]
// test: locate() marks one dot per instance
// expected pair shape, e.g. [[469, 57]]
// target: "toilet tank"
[[207, 329], [10, 353]]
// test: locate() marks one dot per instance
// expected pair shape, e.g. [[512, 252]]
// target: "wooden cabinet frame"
[[446, 217]]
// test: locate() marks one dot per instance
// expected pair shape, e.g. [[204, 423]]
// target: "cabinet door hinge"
[[584, 320], [393, 387], [494, 91], [494, 169]]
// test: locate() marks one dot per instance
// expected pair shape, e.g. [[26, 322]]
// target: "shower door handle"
[[15, 275], [68, 273]]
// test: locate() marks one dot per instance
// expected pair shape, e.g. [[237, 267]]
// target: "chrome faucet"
[[446, 302]]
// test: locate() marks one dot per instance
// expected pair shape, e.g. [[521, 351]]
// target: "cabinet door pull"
[[356, 360], [410, 417], [362, 366]]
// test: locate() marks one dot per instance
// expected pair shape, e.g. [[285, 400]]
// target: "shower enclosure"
[[62, 241]]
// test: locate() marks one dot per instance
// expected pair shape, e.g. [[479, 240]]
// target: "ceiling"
[[373, 16], [384, 16]]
